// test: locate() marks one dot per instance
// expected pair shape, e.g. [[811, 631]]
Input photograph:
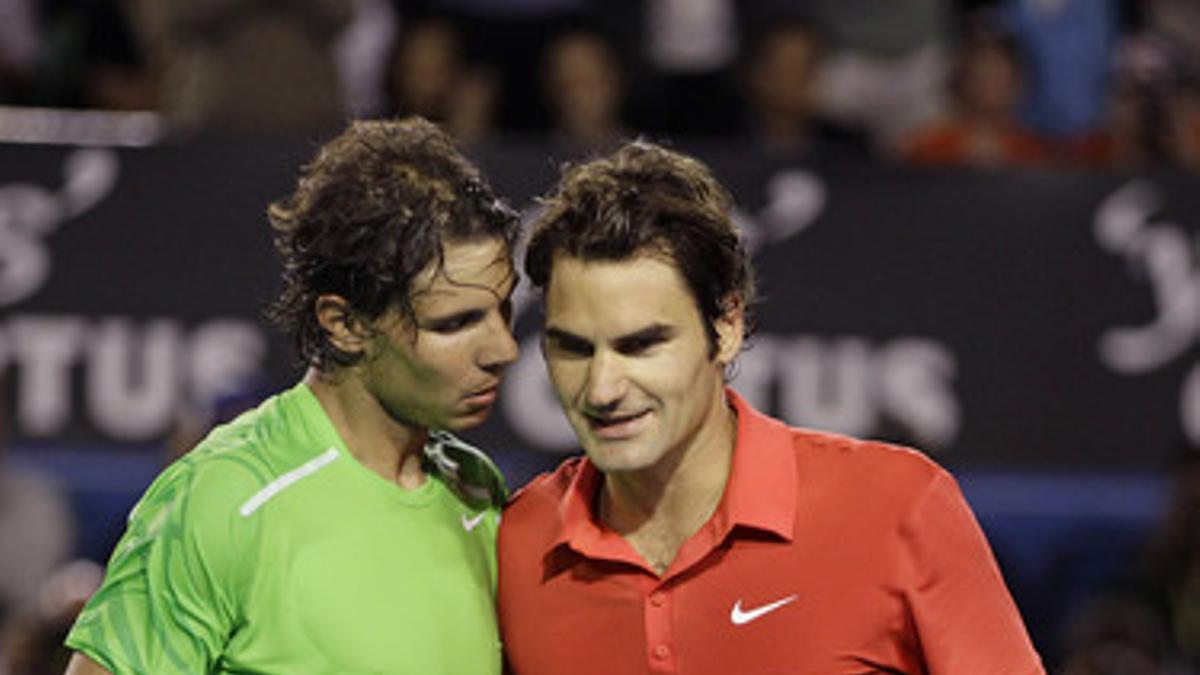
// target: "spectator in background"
[[1169, 574], [887, 64], [430, 77], [1068, 46], [19, 39], [1118, 634], [36, 527], [509, 38], [36, 537], [362, 53], [1186, 121], [90, 56], [778, 81], [983, 126], [1148, 621], [1153, 114], [687, 53], [245, 66], [584, 89], [32, 644], [1177, 23]]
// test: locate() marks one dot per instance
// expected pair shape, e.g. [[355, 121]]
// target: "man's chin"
[[469, 417], [613, 457]]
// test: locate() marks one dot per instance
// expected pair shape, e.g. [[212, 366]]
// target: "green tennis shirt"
[[270, 549]]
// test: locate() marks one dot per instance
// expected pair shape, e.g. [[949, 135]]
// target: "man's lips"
[[615, 427], [482, 397]]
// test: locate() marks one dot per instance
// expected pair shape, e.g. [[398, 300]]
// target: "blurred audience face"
[[991, 83], [427, 65], [781, 72], [1153, 115], [583, 84]]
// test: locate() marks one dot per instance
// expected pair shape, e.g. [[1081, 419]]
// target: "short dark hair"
[[371, 210], [644, 199]]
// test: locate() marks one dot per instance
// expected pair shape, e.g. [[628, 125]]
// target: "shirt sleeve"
[[965, 618], [167, 602]]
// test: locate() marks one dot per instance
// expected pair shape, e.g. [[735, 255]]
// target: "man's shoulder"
[[863, 461], [532, 520], [827, 451], [545, 490], [834, 447], [532, 516], [276, 433], [239, 458]]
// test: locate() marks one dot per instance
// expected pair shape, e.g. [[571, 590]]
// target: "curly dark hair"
[[371, 210], [644, 199]]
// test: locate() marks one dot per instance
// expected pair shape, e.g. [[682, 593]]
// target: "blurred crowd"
[[1146, 620], [1062, 83]]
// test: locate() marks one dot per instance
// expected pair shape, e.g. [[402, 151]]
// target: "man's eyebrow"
[[560, 335], [650, 334]]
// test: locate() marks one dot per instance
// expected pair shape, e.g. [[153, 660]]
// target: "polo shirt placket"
[[659, 629]]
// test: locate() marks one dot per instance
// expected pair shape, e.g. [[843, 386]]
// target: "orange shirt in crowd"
[[957, 143], [826, 555]]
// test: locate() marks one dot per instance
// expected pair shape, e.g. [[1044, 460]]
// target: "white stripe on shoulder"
[[286, 480]]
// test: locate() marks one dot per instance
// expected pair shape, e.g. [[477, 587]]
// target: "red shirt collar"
[[762, 488], [760, 493]]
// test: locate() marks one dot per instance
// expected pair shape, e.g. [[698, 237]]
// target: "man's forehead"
[[617, 303], [647, 276], [485, 265]]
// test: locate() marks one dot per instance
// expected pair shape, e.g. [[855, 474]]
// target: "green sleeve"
[[169, 599]]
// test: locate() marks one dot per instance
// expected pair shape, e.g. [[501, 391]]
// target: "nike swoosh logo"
[[471, 523], [739, 616]]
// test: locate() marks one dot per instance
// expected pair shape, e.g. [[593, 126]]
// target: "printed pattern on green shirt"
[[270, 549]]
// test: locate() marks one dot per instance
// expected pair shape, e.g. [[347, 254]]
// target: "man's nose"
[[606, 382], [500, 347]]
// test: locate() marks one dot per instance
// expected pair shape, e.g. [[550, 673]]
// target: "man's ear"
[[346, 332], [731, 329]]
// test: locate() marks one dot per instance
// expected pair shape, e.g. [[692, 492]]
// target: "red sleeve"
[[965, 619]]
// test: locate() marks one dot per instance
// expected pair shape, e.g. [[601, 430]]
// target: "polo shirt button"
[[657, 599], [661, 652]]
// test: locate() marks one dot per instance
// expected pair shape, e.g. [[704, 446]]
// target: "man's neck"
[[380, 443], [660, 508]]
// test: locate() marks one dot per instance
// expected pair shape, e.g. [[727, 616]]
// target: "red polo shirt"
[[826, 555]]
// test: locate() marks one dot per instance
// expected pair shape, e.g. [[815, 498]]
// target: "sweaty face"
[[629, 359], [441, 368]]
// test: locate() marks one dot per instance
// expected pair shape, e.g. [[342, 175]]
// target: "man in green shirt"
[[340, 527]]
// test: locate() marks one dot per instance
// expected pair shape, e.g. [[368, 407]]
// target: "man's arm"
[[81, 664], [162, 606], [965, 617]]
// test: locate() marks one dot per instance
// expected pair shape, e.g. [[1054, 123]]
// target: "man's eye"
[[454, 324], [569, 347], [635, 346]]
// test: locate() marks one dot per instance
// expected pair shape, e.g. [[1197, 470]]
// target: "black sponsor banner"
[[1036, 319]]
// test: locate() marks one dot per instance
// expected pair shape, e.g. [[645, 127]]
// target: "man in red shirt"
[[699, 535]]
